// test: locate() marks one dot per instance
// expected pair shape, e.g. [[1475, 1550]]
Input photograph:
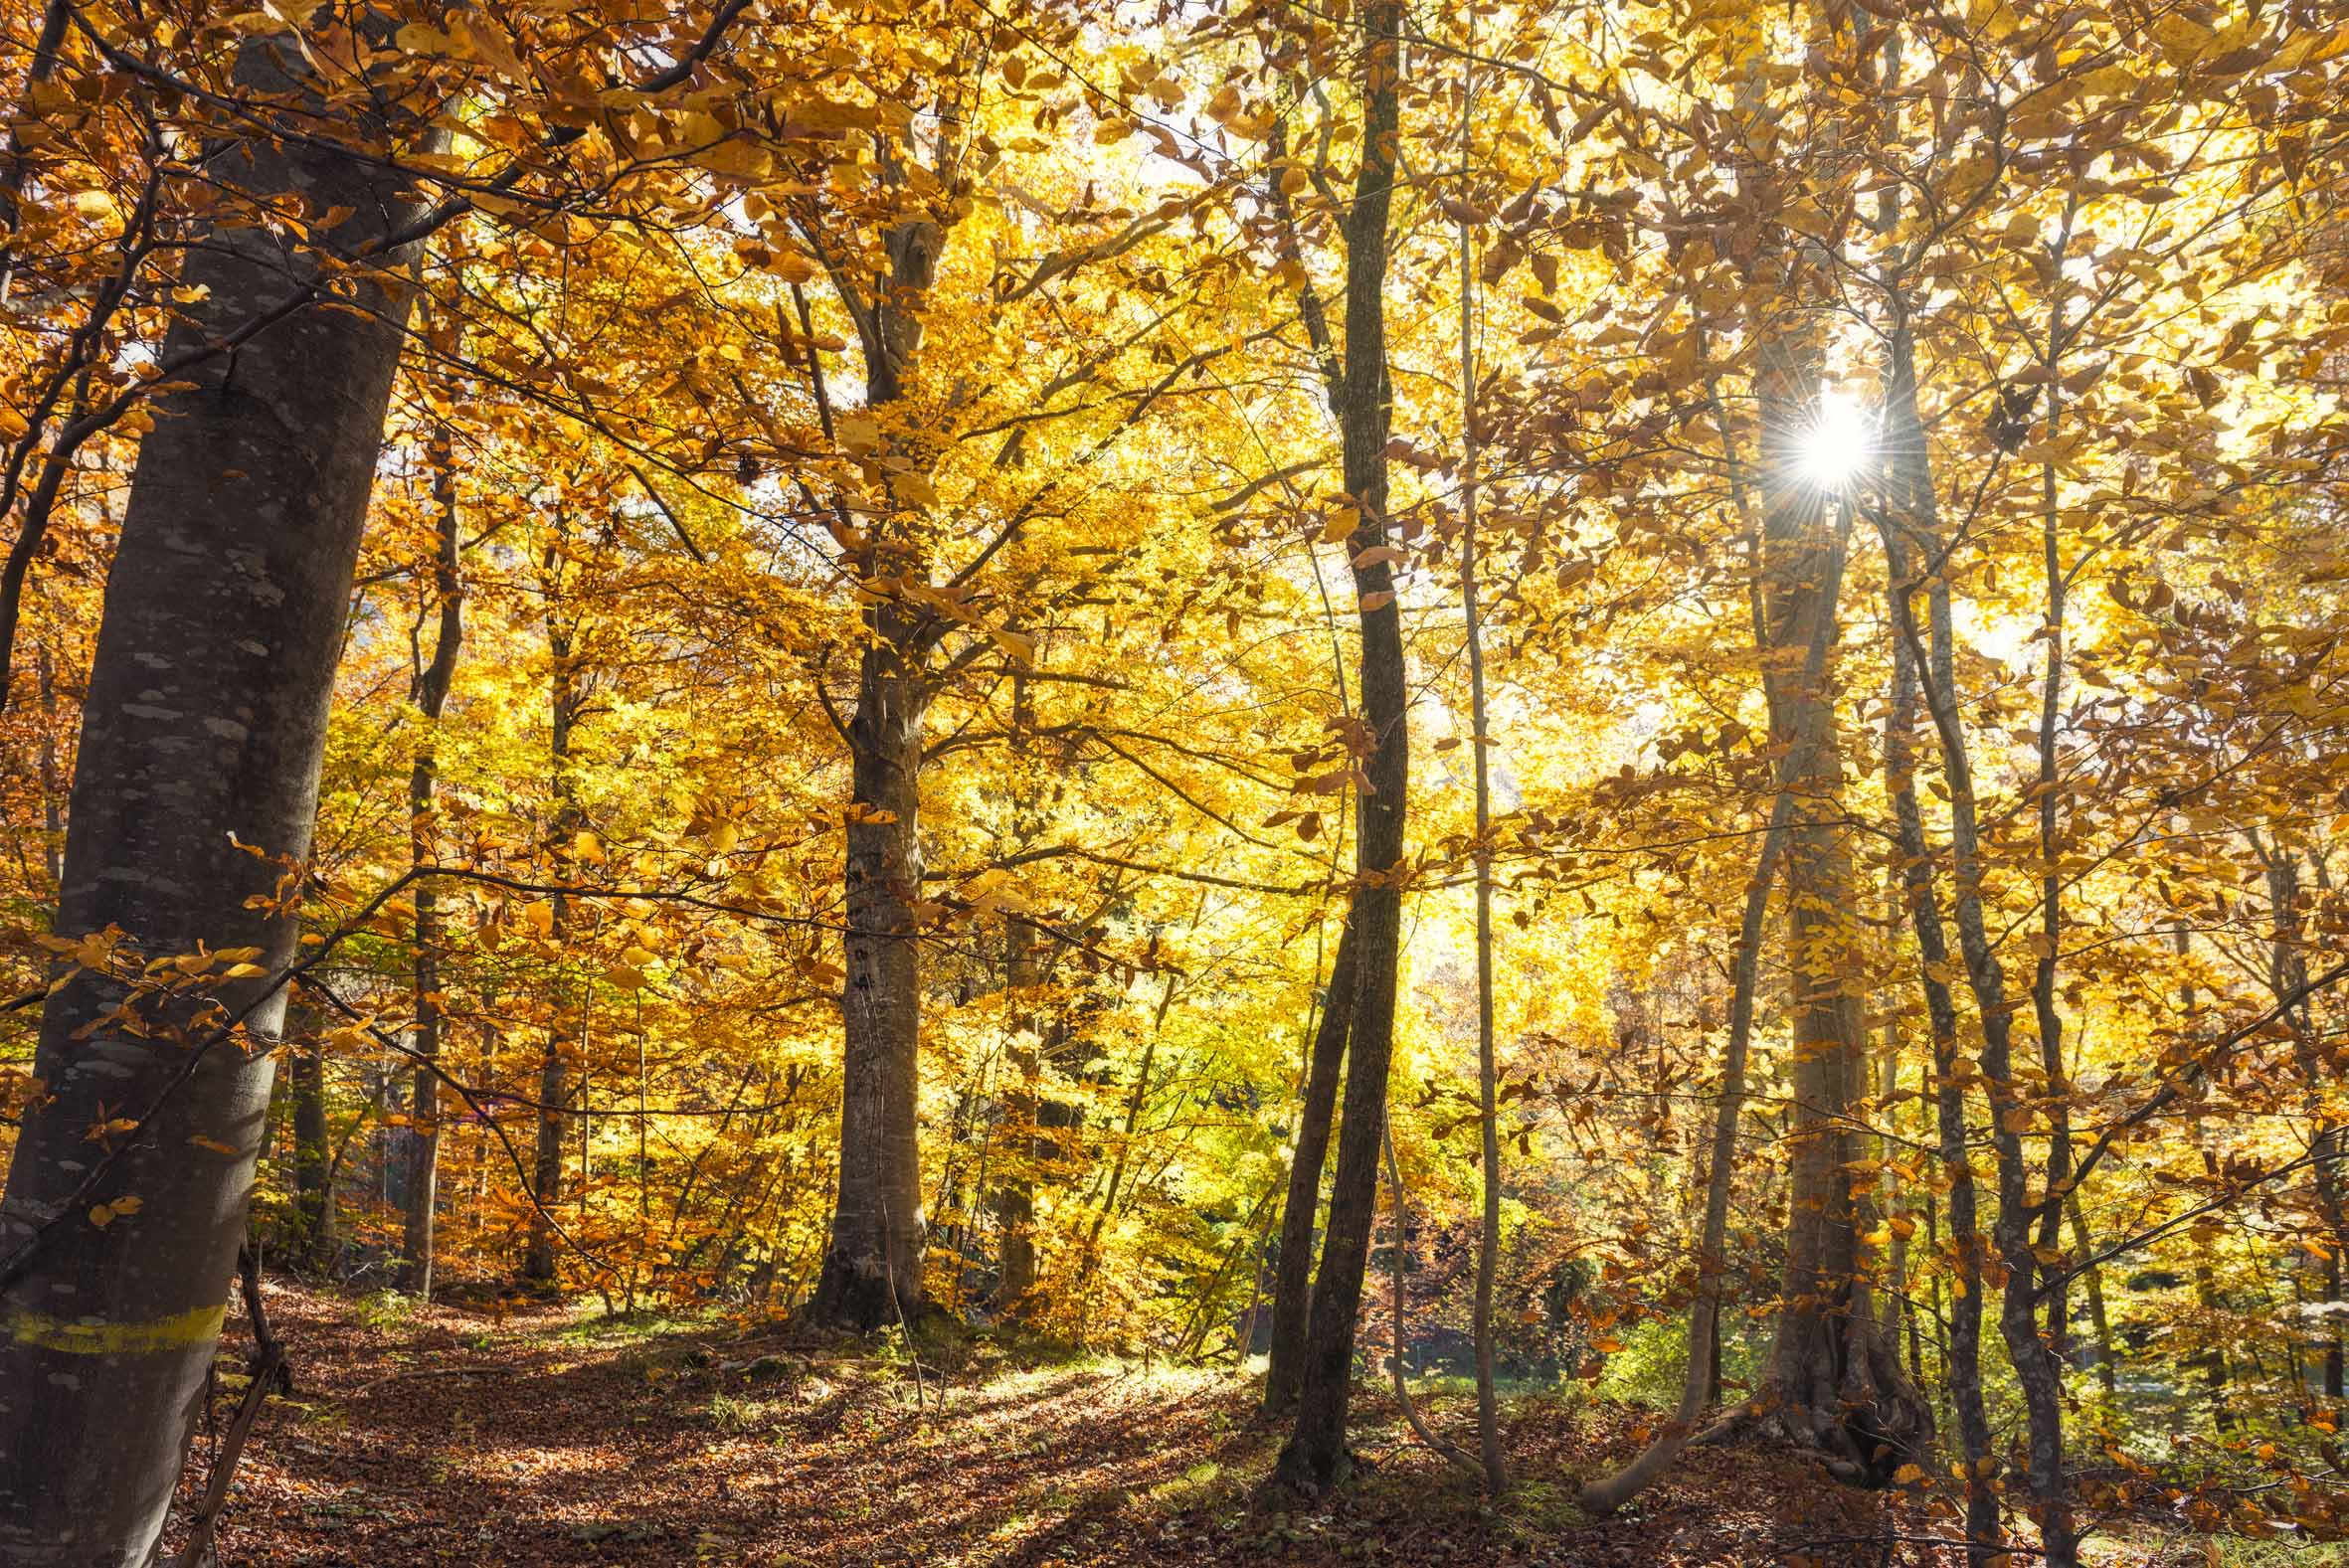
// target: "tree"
[[191, 817]]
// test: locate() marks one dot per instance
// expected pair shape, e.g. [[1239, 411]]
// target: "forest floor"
[[528, 1436]]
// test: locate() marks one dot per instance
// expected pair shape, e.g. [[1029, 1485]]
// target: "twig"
[[224, 1469]]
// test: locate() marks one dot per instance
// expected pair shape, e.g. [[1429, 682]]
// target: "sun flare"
[[1835, 446]]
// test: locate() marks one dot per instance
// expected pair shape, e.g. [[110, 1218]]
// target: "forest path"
[[448, 1435]]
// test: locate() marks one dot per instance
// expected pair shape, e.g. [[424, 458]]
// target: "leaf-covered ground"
[[501, 1436]]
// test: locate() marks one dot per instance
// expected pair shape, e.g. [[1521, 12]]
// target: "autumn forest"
[[1174, 781]]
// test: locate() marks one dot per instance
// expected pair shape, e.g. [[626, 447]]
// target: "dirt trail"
[[457, 1436]]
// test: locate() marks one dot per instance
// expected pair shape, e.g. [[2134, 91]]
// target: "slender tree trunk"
[[203, 730], [2036, 1367], [1488, 1251], [313, 1155], [2287, 975], [431, 694], [1315, 1456], [1701, 1383], [1962, 1358], [2084, 1244], [1291, 1292], [1015, 1200], [554, 1088]]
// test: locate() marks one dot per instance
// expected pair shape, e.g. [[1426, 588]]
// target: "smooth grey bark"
[[204, 726], [1362, 398], [430, 695], [873, 1263]]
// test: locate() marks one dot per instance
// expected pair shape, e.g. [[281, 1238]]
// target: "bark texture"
[[430, 695], [1834, 1380], [873, 1261], [206, 719], [1292, 1295], [1315, 1456]]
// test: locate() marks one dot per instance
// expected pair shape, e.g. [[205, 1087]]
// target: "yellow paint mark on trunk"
[[181, 1331]]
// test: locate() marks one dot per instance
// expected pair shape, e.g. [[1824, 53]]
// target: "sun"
[[1835, 445]]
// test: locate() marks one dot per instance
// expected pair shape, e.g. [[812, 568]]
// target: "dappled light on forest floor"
[[444, 1435]]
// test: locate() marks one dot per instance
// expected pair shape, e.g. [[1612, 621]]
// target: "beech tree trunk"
[[872, 1268], [1834, 1380], [430, 695], [1292, 1292], [1963, 1352], [2038, 1369], [1016, 1198], [313, 1153], [873, 1263], [554, 1073], [1315, 1456], [206, 718], [2288, 974]]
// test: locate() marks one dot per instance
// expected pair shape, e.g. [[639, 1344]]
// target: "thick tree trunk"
[[1316, 1457], [873, 1263], [1834, 1379], [1292, 1291], [204, 726], [430, 695], [872, 1268]]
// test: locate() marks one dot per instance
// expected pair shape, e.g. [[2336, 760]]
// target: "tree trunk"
[[872, 1270], [1315, 1456], [1962, 1370], [1488, 1249], [873, 1263], [204, 726], [1701, 1381], [313, 1153], [1016, 1198], [2037, 1368], [1292, 1291], [430, 695], [2287, 975], [2084, 1246], [1834, 1379], [546, 1165]]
